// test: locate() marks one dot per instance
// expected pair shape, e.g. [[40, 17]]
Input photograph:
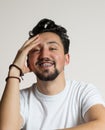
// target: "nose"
[[44, 53]]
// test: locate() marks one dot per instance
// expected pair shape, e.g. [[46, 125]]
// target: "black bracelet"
[[12, 77], [21, 72]]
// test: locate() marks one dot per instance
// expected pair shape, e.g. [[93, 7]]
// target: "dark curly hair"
[[47, 25]]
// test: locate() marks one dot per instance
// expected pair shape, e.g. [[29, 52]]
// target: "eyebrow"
[[53, 42]]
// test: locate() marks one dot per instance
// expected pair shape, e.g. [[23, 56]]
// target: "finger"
[[34, 41], [30, 40], [27, 48]]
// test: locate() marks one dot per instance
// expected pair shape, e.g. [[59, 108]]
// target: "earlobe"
[[67, 59]]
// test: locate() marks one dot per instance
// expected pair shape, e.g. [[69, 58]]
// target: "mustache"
[[44, 60]]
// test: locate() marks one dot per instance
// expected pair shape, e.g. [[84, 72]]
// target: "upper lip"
[[47, 62]]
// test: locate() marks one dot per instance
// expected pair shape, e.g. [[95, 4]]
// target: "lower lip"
[[47, 66]]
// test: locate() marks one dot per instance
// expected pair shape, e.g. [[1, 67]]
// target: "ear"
[[28, 63], [67, 59]]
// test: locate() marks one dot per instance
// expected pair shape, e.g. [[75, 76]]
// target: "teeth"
[[46, 64]]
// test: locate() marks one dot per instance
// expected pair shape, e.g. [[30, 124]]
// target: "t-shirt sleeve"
[[90, 96]]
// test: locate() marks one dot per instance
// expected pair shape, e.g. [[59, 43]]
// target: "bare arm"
[[9, 105], [10, 118], [95, 119]]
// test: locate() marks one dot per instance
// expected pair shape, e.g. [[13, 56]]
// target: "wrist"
[[13, 77], [14, 72]]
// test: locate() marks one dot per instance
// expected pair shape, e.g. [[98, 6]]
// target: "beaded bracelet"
[[12, 77], [21, 72]]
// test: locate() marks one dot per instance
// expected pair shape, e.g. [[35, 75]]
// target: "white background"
[[85, 22]]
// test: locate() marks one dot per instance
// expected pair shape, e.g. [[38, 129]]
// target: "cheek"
[[60, 59], [31, 62]]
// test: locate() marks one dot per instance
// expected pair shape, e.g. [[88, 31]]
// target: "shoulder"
[[80, 85], [85, 91]]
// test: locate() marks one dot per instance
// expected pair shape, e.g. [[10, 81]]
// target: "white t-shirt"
[[64, 110]]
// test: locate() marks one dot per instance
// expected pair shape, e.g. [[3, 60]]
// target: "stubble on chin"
[[47, 76]]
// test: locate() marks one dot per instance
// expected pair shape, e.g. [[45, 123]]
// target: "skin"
[[43, 46], [49, 47]]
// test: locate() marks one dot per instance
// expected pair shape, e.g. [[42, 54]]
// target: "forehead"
[[50, 37]]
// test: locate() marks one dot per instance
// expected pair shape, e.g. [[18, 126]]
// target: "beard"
[[46, 76]]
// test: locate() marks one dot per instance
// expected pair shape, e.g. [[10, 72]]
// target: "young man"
[[52, 102]]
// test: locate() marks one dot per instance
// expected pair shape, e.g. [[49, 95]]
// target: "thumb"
[[26, 69]]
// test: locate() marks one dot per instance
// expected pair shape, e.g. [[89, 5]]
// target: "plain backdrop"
[[85, 22]]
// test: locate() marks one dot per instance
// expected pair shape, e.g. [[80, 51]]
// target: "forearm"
[[93, 125], [10, 102], [9, 105]]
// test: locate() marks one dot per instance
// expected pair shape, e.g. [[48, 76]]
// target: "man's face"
[[47, 59]]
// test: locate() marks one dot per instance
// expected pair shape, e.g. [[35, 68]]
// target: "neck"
[[52, 87]]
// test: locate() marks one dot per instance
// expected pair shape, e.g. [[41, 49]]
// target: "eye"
[[35, 50], [53, 48]]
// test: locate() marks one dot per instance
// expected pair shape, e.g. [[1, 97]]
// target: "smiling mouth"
[[46, 64]]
